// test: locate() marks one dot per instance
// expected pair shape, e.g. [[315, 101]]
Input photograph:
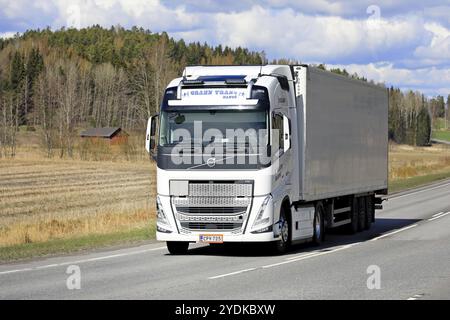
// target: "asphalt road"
[[440, 141], [407, 250]]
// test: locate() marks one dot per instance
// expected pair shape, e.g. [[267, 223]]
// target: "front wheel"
[[283, 244], [177, 247]]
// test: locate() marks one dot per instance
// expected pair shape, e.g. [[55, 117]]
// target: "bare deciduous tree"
[[9, 119], [68, 105]]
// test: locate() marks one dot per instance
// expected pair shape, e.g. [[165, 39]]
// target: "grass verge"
[[405, 184], [441, 135], [70, 245]]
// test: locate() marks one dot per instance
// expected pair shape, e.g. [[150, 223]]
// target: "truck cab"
[[222, 145]]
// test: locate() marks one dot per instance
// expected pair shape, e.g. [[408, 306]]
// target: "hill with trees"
[[59, 81]]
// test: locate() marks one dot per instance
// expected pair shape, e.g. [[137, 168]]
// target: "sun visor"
[[213, 96]]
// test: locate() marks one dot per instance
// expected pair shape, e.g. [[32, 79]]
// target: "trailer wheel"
[[368, 215], [318, 225], [354, 215], [362, 213], [283, 244], [177, 247]]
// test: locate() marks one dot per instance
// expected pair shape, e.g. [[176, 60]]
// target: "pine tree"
[[423, 127], [17, 71]]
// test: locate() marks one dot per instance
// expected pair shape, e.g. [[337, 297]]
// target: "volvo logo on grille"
[[211, 162]]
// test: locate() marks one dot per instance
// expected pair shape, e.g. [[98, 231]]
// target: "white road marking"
[[440, 216], [231, 273], [320, 253], [412, 193], [47, 266], [309, 256], [302, 255], [289, 260], [17, 270], [437, 214], [81, 261], [393, 232], [415, 297]]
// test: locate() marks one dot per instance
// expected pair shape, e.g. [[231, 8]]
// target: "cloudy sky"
[[405, 43]]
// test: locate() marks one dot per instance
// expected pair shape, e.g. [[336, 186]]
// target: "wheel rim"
[[284, 230], [318, 226]]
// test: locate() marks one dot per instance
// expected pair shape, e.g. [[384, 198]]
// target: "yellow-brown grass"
[[407, 161], [43, 199]]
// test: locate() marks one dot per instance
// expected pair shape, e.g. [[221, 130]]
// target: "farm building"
[[115, 135]]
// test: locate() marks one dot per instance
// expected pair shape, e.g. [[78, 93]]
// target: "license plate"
[[211, 238]]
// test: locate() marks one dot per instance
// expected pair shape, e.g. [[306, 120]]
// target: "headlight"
[[263, 230], [161, 217], [259, 218]]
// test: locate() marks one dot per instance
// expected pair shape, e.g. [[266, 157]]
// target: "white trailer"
[[269, 153]]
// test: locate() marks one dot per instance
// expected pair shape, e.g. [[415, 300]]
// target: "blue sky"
[[403, 43]]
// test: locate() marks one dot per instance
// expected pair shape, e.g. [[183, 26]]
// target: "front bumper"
[[194, 237], [246, 234]]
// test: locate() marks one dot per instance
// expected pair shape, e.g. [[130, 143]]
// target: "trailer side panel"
[[346, 136]]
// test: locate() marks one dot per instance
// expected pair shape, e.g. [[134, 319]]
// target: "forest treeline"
[[59, 81]]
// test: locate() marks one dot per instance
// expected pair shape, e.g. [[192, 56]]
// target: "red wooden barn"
[[115, 135]]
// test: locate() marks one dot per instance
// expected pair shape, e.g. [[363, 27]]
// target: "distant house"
[[115, 135]]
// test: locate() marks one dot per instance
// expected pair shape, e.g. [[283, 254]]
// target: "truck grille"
[[214, 206], [211, 202], [211, 226], [220, 189], [212, 210]]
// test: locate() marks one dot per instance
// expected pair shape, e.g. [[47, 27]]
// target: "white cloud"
[[309, 6], [413, 37], [430, 80], [289, 33], [439, 47], [146, 13], [7, 34]]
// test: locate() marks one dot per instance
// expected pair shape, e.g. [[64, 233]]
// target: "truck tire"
[[354, 215], [368, 216], [372, 209], [362, 213], [282, 245], [318, 225], [177, 247]]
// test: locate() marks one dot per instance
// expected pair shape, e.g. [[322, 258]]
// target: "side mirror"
[[150, 136], [284, 82], [287, 133]]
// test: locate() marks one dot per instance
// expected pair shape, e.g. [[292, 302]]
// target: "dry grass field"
[[407, 161], [43, 199]]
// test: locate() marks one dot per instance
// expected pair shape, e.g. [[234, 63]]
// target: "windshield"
[[213, 127]]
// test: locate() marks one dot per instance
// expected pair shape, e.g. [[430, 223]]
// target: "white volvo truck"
[[271, 153]]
